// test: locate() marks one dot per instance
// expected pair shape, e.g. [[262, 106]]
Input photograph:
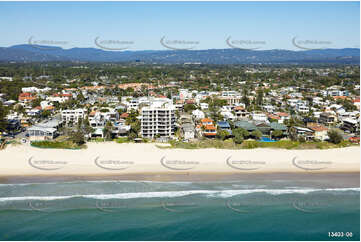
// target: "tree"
[[242, 132], [276, 133], [3, 122], [257, 134], [19, 108], [189, 107], [259, 98], [35, 102], [77, 137], [239, 135], [132, 135], [45, 114], [238, 139], [222, 134], [107, 131], [334, 136], [245, 99]]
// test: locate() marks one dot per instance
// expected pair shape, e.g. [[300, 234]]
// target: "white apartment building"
[[301, 108], [204, 106], [198, 114], [98, 119], [292, 102], [259, 116], [72, 116], [184, 94], [334, 92], [158, 120], [269, 108]]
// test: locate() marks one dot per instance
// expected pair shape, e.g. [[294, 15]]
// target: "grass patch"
[[122, 140], [56, 145], [282, 144]]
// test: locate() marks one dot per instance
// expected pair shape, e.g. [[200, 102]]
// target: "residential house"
[[209, 131], [259, 116], [327, 118], [120, 128], [351, 125], [302, 108], [26, 98], [206, 121], [298, 132], [188, 131], [245, 125], [198, 114], [41, 133], [269, 108], [224, 125], [46, 130], [278, 126], [265, 128], [241, 112], [60, 97], [204, 106], [320, 131]]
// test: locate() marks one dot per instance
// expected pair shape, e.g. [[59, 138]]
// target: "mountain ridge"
[[36, 53]]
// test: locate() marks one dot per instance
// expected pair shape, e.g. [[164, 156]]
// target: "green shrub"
[[250, 144], [335, 136], [56, 144], [121, 140]]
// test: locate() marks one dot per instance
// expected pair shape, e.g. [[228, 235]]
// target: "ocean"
[[234, 210]]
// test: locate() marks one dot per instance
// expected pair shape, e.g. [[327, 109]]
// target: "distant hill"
[[30, 53]]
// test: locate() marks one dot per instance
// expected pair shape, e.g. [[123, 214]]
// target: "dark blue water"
[[177, 211]]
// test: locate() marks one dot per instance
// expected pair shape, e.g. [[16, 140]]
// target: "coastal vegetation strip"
[[57, 145], [252, 144]]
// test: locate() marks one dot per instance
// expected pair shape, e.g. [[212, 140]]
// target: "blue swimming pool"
[[266, 139]]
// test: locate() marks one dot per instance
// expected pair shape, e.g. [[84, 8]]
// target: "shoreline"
[[146, 160], [322, 180]]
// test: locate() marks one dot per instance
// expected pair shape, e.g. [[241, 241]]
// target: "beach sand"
[[147, 161]]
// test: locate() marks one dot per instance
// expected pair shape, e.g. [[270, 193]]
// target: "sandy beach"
[[112, 159]]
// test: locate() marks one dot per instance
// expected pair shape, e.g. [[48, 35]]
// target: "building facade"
[[158, 121]]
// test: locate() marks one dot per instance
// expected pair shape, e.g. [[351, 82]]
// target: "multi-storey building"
[[72, 116], [158, 120]]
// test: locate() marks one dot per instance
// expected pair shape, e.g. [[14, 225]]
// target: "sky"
[[181, 25]]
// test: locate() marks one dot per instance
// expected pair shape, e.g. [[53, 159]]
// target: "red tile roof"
[[206, 120], [124, 115], [210, 127]]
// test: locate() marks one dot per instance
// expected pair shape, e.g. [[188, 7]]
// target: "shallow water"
[[129, 210]]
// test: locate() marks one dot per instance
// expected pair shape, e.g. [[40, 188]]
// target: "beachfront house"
[[224, 125], [41, 133], [188, 131], [299, 132], [279, 126], [265, 128], [46, 130], [319, 131], [119, 128], [209, 131], [351, 125], [246, 125]]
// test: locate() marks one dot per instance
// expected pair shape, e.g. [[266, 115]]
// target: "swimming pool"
[[266, 139]]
